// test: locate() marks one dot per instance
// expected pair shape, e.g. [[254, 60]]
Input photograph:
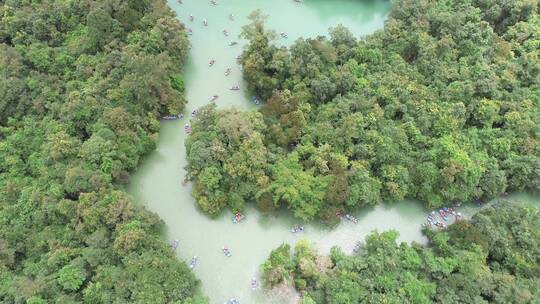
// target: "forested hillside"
[[443, 106], [82, 86], [494, 258]]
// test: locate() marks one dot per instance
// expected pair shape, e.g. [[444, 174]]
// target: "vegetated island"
[[442, 105]]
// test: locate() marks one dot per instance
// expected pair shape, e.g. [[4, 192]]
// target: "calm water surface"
[[157, 183]]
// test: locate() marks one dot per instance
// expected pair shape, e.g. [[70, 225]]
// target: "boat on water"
[[283, 35], [238, 217], [175, 244], [227, 252], [351, 218], [254, 284], [225, 32], [357, 246], [255, 100], [233, 43], [191, 18], [235, 88], [211, 62], [172, 117], [297, 228], [233, 301], [227, 72], [205, 23], [193, 262]]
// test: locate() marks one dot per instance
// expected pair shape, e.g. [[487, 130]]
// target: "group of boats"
[[439, 219]]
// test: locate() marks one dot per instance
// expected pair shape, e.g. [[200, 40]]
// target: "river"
[[157, 183]]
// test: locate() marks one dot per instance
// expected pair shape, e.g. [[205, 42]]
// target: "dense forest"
[[442, 105], [82, 86], [494, 258]]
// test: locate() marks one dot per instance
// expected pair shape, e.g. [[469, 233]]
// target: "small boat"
[[238, 217], [297, 228], [191, 18], [211, 62], [233, 301], [171, 117], [351, 218], [235, 88], [255, 100], [283, 35], [357, 246], [193, 262], [225, 32], [205, 23], [233, 43], [214, 2], [194, 113], [175, 244], [227, 252], [227, 72], [254, 284], [190, 31], [214, 98]]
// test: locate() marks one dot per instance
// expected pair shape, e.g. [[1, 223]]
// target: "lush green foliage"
[[494, 258], [82, 86], [443, 105]]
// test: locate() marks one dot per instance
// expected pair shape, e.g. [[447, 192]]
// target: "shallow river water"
[[157, 183]]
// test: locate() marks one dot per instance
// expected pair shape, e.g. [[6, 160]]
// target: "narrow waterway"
[[158, 182]]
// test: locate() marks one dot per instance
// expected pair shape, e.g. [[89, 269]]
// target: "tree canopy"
[[82, 86], [442, 105]]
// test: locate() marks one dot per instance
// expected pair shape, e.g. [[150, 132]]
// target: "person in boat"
[[227, 71], [227, 252], [211, 62], [283, 35], [231, 17], [225, 32], [214, 2], [235, 88], [214, 97], [205, 23], [190, 31], [191, 18]]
